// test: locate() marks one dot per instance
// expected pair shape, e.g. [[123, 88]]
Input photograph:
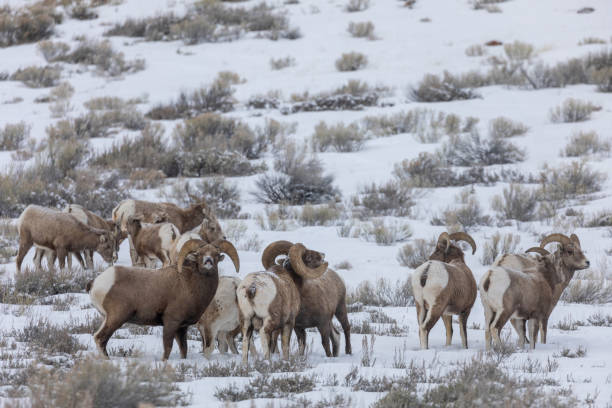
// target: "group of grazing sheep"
[[519, 287], [295, 291]]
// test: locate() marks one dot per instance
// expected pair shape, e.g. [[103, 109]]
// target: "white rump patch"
[[264, 295], [77, 212], [100, 287], [123, 211], [499, 281]]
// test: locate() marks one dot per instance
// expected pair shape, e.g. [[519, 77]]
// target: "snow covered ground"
[[407, 47]]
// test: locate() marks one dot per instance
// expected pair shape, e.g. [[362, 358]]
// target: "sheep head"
[[107, 246], [210, 230], [446, 251], [207, 256], [304, 262], [133, 226], [570, 250]]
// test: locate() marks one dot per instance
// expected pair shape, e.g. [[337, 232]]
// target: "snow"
[[406, 49]]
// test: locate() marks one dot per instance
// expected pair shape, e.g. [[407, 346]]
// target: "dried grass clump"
[[472, 150], [393, 198], [433, 88], [464, 216], [281, 63], [385, 232], [38, 77], [415, 254], [12, 136], [356, 5], [569, 181], [573, 110], [339, 137], [27, 24], [382, 293], [503, 128], [364, 29], [586, 143], [516, 203], [351, 61]]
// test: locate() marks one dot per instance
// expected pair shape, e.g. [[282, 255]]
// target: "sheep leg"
[[286, 340], [88, 259], [181, 339], [448, 324], [231, 339], [69, 260], [300, 333], [38, 254], [533, 327], [265, 334], [24, 247], [79, 258], [274, 342], [519, 327], [431, 318], [169, 332], [342, 317], [61, 257], [543, 329], [247, 333], [335, 338], [324, 332], [222, 343], [209, 340], [498, 324], [463, 317], [106, 330], [488, 320]]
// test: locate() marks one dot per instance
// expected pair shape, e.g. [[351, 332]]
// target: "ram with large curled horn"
[[321, 298], [174, 297], [270, 300], [444, 286], [527, 281]]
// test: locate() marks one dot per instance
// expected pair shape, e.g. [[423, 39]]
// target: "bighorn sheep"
[[91, 219], [320, 300], [61, 233], [208, 231], [444, 286], [153, 213], [563, 263], [270, 300], [173, 297], [152, 241], [221, 318]]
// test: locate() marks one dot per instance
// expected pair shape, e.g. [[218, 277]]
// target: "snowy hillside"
[[361, 128]]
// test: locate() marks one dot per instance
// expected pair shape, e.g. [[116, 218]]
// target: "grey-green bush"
[[12, 136], [339, 137], [351, 61]]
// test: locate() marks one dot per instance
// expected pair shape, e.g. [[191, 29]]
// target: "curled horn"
[[575, 240], [273, 250], [444, 238], [190, 246], [539, 250], [227, 247], [462, 236], [295, 256], [555, 238]]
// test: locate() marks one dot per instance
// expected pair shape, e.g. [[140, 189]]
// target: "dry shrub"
[[351, 61], [356, 5], [393, 198], [471, 150], [382, 293], [573, 110], [475, 50], [569, 181], [298, 180], [99, 383], [220, 195], [266, 386], [499, 244], [281, 63], [385, 232], [363, 29], [12, 136], [339, 137], [465, 216], [53, 50], [415, 254], [38, 77], [27, 24], [81, 11], [326, 214], [427, 125], [217, 97], [503, 128], [516, 203], [586, 143], [432, 88], [43, 336]]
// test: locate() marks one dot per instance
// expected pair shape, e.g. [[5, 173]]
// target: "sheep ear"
[[102, 238]]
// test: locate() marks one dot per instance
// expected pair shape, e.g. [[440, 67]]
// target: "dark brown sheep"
[[173, 297]]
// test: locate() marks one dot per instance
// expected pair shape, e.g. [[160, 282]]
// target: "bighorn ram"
[[152, 241], [320, 300], [173, 297], [444, 286], [562, 264], [91, 219], [220, 320], [153, 213], [61, 233], [270, 300]]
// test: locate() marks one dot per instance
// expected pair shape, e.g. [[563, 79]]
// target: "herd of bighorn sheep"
[[296, 289]]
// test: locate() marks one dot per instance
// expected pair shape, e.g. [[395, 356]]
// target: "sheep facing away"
[[61, 233], [444, 286], [270, 300], [174, 297]]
